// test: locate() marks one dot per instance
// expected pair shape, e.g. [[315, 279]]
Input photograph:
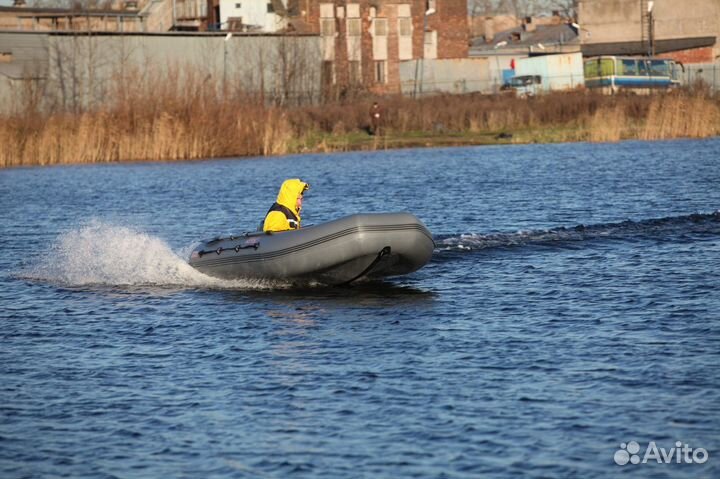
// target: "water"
[[571, 306]]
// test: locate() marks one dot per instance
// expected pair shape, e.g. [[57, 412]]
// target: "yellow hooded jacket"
[[278, 219]]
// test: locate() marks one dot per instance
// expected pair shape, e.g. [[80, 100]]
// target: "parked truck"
[[539, 74]]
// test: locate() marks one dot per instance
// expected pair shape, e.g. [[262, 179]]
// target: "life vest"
[[293, 220]]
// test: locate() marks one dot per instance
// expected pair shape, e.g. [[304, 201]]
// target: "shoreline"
[[373, 144], [169, 132]]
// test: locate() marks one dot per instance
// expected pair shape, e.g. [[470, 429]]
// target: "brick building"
[[365, 41]]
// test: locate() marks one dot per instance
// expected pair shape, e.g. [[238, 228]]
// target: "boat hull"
[[340, 251]]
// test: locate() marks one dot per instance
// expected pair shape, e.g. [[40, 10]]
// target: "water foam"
[[99, 253]]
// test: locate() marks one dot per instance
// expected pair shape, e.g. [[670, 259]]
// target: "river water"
[[571, 307]]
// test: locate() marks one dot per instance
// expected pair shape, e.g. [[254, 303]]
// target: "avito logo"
[[680, 454]]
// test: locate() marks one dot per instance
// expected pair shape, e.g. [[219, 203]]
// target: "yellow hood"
[[289, 193]]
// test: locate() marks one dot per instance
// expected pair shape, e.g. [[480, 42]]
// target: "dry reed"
[[682, 115], [180, 115], [607, 124]]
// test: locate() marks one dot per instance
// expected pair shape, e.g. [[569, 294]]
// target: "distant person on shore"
[[284, 214], [376, 118]]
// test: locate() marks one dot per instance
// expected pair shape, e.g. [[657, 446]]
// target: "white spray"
[[104, 254]]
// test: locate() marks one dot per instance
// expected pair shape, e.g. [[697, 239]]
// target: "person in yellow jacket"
[[284, 214]]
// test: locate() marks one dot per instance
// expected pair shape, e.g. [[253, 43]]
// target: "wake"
[[694, 224], [102, 254]]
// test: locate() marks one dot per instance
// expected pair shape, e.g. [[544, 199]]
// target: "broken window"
[[380, 76], [328, 73], [355, 74]]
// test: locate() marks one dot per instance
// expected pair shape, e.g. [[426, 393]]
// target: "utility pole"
[[430, 10], [225, 53], [651, 28]]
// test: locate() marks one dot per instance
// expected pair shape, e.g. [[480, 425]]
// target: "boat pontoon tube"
[[340, 251]]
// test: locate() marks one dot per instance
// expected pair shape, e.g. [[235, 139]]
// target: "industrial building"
[[413, 47]]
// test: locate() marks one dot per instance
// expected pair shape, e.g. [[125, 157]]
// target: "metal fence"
[[705, 74], [452, 87], [81, 71]]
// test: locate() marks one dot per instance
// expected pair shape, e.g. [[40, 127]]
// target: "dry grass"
[[607, 124], [682, 115], [186, 117]]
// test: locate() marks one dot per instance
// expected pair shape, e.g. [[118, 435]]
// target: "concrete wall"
[[28, 55], [455, 76], [609, 21], [23, 57], [81, 71]]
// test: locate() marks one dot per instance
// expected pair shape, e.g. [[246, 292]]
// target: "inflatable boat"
[[337, 252]]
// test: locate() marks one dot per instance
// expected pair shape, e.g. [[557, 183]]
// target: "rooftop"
[[555, 38]]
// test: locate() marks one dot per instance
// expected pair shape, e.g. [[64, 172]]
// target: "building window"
[[430, 46], [327, 19], [353, 10], [238, 6], [431, 7], [380, 27], [327, 27], [353, 26], [327, 10], [355, 73], [270, 8], [380, 76], [405, 26], [328, 73]]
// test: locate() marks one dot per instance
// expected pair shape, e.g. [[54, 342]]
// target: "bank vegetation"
[[184, 116]]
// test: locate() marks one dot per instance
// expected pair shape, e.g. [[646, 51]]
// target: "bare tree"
[[482, 7], [567, 8], [519, 8]]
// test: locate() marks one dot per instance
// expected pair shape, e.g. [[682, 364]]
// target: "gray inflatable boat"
[[337, 252]]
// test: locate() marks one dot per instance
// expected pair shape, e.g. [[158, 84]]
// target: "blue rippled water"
[[571, 308]]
